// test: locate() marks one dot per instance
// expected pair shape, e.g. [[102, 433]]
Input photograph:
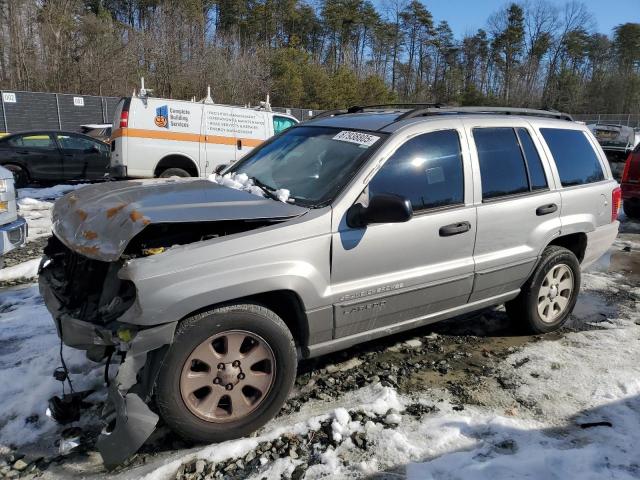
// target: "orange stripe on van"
[[182, 137]]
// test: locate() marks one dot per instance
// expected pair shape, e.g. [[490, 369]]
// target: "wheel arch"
[[574, 242], [176, 160], [287, 304]]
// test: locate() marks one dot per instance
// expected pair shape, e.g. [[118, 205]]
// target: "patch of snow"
[[50, 193], [37, 213], [241, 181], [28, 269], [29, 352]]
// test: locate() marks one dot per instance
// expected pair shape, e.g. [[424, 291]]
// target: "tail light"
[[616, 200], [124, 118], [627, 165]]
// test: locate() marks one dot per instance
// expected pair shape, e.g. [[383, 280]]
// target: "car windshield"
[[313, 163]]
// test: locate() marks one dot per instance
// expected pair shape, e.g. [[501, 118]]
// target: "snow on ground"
[[569, 384], [49, 193], [28, 269], [29, 352]]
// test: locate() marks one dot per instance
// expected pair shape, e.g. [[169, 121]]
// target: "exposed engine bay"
[[100, 232]]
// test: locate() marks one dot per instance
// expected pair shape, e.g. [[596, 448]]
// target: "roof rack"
[[420, 112], [362, 108]]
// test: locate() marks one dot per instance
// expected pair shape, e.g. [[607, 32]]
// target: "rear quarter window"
[[575, 158]]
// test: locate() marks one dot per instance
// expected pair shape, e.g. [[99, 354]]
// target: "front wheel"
[[227, 373], [549, 295]]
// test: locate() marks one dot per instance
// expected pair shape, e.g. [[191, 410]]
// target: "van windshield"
[[313, 163]]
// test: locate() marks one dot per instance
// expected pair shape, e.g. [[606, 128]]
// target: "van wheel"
[[20, 175], [174, 172], [227, 372], [631, 211], [549, 295]]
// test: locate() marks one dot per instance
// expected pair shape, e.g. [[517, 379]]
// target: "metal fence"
[[60, 111], [628, 119], [36, 110]]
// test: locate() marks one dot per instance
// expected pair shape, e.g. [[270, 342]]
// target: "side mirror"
[[220, 167], [383, 208]]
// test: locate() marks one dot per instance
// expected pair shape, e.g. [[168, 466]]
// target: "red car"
[[631, 185]]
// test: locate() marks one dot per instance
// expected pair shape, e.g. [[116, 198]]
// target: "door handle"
[[454, 229], [239, 144], [22, 152], [546, 209]]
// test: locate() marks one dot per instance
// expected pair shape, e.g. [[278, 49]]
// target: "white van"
[[157, 137]]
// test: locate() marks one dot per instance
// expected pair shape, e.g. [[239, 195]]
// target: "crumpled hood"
[[100, 220]]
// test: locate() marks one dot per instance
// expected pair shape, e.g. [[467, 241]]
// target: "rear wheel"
[[549, 295], [227, 373], [20, 175], [174, 172], [631, 210]]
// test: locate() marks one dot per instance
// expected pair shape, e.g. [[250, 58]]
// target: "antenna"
[[266, 105], [143, 91], [208, 98]]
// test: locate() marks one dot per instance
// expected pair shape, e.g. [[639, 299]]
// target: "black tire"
[[174, 172], [523, 310], [20, 175], [191, 333], [631, 210]]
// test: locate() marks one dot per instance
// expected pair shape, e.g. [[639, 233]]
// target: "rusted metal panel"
[[100, 220]]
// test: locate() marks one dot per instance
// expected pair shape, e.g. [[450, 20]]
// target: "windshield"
[[313, 163]]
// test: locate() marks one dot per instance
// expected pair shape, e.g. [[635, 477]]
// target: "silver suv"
[[391, 219]]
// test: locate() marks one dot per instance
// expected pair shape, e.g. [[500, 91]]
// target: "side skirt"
[[346, 342]]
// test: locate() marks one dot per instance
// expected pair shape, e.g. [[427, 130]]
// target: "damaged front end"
[[86, 299], [99, 231]]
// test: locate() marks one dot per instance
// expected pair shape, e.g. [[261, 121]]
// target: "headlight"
[[4, 184]]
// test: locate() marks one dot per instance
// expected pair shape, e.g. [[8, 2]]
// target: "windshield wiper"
[[268, 191]]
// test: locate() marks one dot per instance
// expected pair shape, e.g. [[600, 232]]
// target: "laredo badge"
[[162, 117]]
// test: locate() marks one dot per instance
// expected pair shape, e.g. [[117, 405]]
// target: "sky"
[[466, 16]]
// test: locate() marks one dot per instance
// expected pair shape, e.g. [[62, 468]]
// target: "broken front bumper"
[[129, 419]]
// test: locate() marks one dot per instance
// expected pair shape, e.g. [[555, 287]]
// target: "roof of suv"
[[390, 120]]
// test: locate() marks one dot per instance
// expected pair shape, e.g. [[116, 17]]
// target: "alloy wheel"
[[227, 376]]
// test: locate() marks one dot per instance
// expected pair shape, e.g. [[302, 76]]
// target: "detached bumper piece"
[[134, 423]]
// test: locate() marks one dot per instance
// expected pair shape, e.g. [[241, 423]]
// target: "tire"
[[631, 210], [549, 295], [186, 406], [20, 175], [174, 172]]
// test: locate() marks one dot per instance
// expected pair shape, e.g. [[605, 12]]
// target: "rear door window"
[[534, 164], [40, 141], [427, 170], [75, 142], [502, 166], [575, 158]]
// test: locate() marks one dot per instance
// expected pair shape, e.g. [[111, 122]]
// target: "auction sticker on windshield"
[[359, 138]]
